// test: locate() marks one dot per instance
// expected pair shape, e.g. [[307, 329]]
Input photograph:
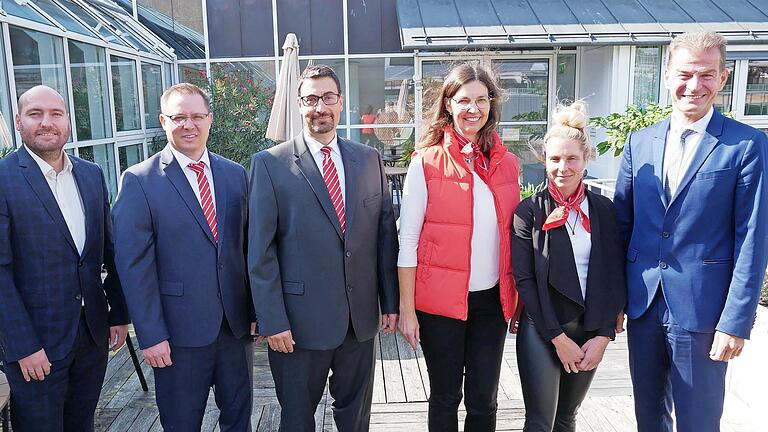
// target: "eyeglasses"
[[328, 99], [180, 119], [483, 102]]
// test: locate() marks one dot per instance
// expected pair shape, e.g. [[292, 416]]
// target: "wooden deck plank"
[[401, 386]]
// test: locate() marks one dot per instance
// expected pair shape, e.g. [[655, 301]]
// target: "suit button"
[[349, 254], [663, 265], [221, 266], [78, 297], [665, 234], [81, 263], [349, 288]]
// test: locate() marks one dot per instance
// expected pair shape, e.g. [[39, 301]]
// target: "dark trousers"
[[182, 388], [66, 400], [470, 350], [668, 363], [300, 380], [551, 395]]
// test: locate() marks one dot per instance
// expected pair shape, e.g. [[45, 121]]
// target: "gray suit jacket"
[[305, 274]]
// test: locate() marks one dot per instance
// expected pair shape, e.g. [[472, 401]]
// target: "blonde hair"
[[569, 122], [698, 42]]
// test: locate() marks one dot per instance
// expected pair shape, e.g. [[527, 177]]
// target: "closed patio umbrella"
[[285, 118]]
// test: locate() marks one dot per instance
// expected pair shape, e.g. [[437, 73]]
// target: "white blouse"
[[484, 263], [581, 243]]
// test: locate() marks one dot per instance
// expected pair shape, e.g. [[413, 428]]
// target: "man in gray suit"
[[322, 255]]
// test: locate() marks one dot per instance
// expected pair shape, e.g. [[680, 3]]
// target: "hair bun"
[[573, 115]]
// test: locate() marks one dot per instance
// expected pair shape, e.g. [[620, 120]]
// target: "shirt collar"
[[699, 126], [315, 145], [183, 160], [45, 167]]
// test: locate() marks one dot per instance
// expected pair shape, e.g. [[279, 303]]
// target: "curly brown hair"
[[439, 117]]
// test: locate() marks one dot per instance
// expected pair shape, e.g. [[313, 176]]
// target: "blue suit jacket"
[[178, 281], [707, 246], [43, 279]]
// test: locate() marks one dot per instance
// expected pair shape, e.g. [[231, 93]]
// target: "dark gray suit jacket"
[[305, 275]]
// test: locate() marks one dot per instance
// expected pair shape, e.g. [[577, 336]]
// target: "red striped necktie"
[[331, 177], [206, 200]]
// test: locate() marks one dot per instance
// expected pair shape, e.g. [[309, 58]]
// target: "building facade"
[[391, 56]]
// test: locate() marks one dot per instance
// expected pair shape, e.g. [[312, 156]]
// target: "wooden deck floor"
[[399, 401]]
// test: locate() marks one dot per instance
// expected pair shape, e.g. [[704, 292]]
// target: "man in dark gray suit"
[[322, 253]]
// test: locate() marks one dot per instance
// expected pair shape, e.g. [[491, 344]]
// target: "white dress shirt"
[[315, 148], [581, 243], [191, 175], [484, 262], [67, 195], [672, 146]]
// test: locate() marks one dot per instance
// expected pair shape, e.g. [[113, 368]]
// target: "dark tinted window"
[[238, 29], [319, 25], [373, 27]]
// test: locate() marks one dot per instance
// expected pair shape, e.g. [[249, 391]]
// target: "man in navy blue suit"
[[692, 203], [180, 232], [57, 318]]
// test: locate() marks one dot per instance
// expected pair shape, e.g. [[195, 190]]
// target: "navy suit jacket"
[[180, 282], [308, 276], [707, 245], [43, 279]]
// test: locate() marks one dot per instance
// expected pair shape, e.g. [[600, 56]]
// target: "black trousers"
[[470, 350], [66, 400], [300, 379], [182, 389], [552, 396]]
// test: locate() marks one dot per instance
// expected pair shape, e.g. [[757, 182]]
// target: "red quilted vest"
[[444, 252]]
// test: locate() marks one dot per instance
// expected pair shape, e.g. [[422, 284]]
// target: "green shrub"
[[618, 126]]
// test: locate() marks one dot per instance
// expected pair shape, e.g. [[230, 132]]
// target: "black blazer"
[[545, 269]]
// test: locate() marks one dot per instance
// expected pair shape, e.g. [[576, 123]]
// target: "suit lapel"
[[351, 174], [90, 198], [308, 168], [701, 153], [34, 177], [657, 157], [562, 265], [220, 186], [176, 176]]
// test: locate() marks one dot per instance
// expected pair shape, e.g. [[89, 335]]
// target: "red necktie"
[[331, 177], [206, 200]]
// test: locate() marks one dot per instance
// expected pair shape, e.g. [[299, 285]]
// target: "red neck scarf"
[[559, 215], [469, 150]]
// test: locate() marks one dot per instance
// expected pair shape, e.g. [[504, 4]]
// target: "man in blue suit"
[[180, 232], [57, 318], [691, 202]]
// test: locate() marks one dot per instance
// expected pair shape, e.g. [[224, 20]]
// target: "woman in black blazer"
[[568, 264]]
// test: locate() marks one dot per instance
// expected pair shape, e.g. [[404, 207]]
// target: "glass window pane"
[[433, 74], [177, 22], [125, 32], [92, 22], [104, 156], [88, 66], [167, 73], [6, 122], [381, 90], [389, 141], [22, 11], [757, 88], [193, 73], [63, 18], [38, 58], [519, 139], [527, 83], [319, 25], [647, 76], [724, 99], [130, 155], [126, 93], [152, 81], [155, 144], [566, 77], [338, 66]]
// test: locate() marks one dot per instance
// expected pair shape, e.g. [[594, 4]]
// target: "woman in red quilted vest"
[[457, 291]]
